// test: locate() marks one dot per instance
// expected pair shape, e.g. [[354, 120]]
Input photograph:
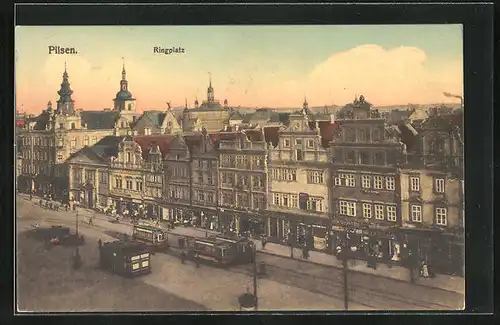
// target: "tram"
[[241, 248], [209, 250], [153, 237]]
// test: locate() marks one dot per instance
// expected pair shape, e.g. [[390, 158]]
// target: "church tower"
[[210, 92], [65, 104], [124, 100]]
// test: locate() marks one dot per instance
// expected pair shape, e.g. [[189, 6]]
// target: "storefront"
[[253, 225]]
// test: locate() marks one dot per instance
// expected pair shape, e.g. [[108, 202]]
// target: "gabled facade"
[[367, 156], [243, 178], [177, 180], [299, 186]]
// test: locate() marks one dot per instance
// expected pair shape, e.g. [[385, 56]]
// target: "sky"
[[250, 66]]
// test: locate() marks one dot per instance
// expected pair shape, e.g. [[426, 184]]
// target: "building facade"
[[243, 179], [367, 156], [300, 184]]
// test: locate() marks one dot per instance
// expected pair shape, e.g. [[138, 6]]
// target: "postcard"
[[239, 168]]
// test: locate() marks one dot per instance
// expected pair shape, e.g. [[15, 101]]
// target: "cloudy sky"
[[264, 66]]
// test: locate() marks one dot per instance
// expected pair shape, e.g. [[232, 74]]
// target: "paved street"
[[290, 284]]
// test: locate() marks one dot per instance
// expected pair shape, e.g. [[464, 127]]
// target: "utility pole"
[[255, 277], [346, 287], [77, 262]]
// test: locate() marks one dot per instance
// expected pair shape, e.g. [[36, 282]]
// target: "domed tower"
[[65, 104], [124, 100]]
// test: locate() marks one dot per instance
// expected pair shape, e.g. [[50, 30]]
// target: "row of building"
[[300, 176]]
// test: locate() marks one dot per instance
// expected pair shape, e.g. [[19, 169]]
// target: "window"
[[73, 126], [349, 180], [258, 202], [298, 154], [415, 184], [348, 208], [380, 158], [147, 131], [118, 182], [284, 174], [201, 196], [439, 185], [59, 157], [391, 213], [379, 212], [310, 143], [258, 181], [129, 157], [294, 201], [315, 177], [61, 125], [376, 134], [367, 210], [277, 198], [209, 178], [285, 200], [390, 183], [314, 204], [89, 176], [200, 178], [286, 143], [200, 163], [73, 143], [94, 140], [364, 158], [350, 135], [298, 142], [350, 157], [377, 182], [362, 135], [416, 213], [338, 179], [85, 141], [129, 184], [441, 216], [138, 185], [103, 177], [365, 181], [210, 197]]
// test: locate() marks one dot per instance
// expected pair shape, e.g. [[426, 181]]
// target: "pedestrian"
[[197, 260], [31, 197], [264, 241], [99, 243], [424, 271], [90, 221]]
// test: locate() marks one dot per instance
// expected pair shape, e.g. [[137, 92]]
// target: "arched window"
[[364, 158]]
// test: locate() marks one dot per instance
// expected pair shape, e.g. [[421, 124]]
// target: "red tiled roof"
[[146, 141]]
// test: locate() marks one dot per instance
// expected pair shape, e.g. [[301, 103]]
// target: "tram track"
[[359, 294]]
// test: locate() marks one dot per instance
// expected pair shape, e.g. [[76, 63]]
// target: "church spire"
[[210, 90], [124, 73], [65, 102]]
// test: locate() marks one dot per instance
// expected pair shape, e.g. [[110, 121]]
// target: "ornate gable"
[[179, 149]]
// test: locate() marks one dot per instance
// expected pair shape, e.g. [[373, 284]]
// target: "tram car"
[[153, 237], [241, 248], [125, 258], [209, 250]]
